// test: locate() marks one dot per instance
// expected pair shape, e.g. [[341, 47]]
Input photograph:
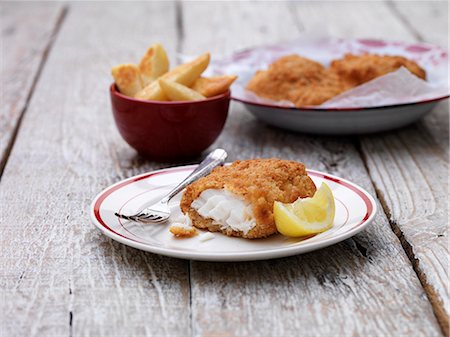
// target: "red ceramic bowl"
[[169, 130]]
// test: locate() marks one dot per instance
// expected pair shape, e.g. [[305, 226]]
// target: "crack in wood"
[[404, 21], [180, 26], [436, 303], [332, 280], [295, 18], [19, 281], [9, 31], [191, 321], [70, 323], [41, 66], [431, 293], [361, 248]]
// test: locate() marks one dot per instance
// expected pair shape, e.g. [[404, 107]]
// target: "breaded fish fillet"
[[329, 85], [358, 69], [288, 73], [238, 199]]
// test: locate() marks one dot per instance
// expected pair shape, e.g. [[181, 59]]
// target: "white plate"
[[342, 120], [355, 209]]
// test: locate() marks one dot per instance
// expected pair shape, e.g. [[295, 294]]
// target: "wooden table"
[[59, 147]]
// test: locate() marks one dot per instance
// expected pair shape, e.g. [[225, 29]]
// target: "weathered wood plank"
[[411, 176], [220, 25], [61, 277], [427, 20], [345, 19], [363, 286], [424, 221], [409, 167], [22, 52]]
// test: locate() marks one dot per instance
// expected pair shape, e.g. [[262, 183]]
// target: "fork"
[[160, 211]]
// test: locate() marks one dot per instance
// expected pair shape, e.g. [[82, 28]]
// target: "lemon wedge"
[[306, 216]]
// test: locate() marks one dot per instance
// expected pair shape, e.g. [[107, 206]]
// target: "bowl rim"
[[114, 91], [339, 109]]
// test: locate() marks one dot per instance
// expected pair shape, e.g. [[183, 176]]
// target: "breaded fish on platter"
[[327, 87], [305, 82], [288, 73], [238, 199], [358, 69]]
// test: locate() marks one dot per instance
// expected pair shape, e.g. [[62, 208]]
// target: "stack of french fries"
[[152, 80]]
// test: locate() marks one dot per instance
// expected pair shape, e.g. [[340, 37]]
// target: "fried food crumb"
[[183, 231]]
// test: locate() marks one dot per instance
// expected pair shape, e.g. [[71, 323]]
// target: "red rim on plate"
[[101, 223]]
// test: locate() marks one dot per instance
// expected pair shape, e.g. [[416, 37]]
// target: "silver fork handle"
[[212, 160]]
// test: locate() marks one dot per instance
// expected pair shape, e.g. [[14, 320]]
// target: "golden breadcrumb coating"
[[285, 74], [260, 182], [182, 232], [358, 69], [327, 87]]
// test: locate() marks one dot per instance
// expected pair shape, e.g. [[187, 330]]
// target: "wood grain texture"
[[223, 22], [357, 19], [26, 30], [427, 20], [411, 176], [60, 275], [363, 286], [409, 167]]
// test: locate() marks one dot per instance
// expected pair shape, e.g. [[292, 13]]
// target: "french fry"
[[185, 74], [152, 92], [212, 86], [127, 79], [179, 92], [154, 64]]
